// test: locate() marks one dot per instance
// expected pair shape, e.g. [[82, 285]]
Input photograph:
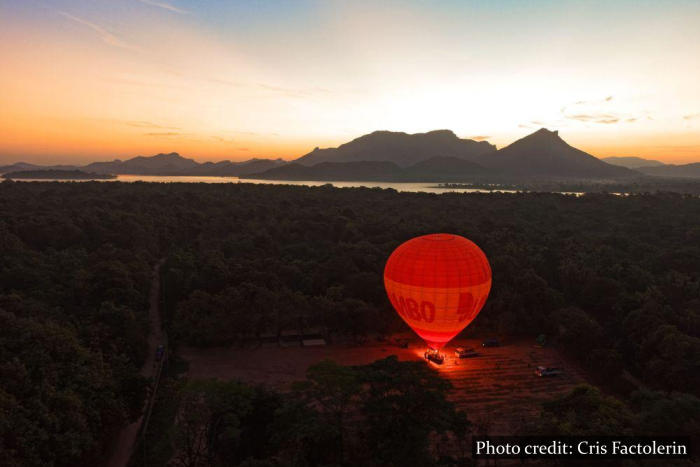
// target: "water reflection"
[[426, 187]]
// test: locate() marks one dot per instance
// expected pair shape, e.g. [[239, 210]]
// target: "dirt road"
[[126, 440]]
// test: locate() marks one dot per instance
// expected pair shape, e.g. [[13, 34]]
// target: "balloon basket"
[[434, 355]]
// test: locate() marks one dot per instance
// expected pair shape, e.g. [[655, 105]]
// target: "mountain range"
[[691, 170], [440, 168], [160, 164], [442, 156], [544, 154], [435, 156], [632, 162], [657, 168], [401, 148]]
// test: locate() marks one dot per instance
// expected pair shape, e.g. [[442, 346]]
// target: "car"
[[461, 352], [491, 343], [434, 356], [547, 371]]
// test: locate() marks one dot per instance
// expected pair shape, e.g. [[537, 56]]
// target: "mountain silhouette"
[[333, 171], [174, 164], [400, 148], [235, 169], [632, 162], [160, 164], [434, 169], [444, 168], [544, 154], [394, 156], [671, 170], [23, 166]]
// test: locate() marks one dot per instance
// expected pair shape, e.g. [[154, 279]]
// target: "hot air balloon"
[[437, 283]]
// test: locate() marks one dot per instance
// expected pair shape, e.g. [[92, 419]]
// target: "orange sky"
[[84, 81]]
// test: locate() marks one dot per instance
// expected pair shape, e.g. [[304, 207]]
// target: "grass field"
[[498, 389]]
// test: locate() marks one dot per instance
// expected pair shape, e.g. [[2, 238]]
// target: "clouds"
[[143, 124], [597, 111], [163, 133], [598, 101], [113, 39], [165, 6], [604, 118], [106, 36], [691, 116], [602, 111]]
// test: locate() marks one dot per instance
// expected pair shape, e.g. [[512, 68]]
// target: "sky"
[[86, 80]]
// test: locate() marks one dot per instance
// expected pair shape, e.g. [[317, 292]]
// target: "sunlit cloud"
[[691, 116], [595, 111], [106, 36], [607, 99], [479, 138], [598, 118], [165, 6], [138, 124], [164, 133]]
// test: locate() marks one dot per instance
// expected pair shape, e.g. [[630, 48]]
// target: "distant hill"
[[51, 174], [631, 162], [400, 148], [435, 156], [235, 169], [21, 166], [670, 170], [544, 154], [160, 164], [442, 169], [333, 171]]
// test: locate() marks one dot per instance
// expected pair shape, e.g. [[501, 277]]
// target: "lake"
[[427, 187]]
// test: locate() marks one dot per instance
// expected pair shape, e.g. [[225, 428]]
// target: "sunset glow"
[[95, 80]]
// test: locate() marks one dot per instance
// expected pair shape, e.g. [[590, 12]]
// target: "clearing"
[[499, 389]]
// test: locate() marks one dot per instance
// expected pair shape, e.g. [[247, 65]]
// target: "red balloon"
[[437, 283]]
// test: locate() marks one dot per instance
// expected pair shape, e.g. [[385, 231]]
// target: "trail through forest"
[[124, 445]]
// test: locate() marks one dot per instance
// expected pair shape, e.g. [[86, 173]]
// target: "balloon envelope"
[[437, 283]]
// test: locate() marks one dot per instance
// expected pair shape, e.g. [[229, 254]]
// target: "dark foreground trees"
[[250, 260], [388, 413]]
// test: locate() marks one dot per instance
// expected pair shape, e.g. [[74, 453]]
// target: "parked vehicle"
[[461, 352], [434, 356], [491, 343], [547, 371]]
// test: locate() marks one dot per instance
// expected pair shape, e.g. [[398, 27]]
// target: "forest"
[[613, 281]]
